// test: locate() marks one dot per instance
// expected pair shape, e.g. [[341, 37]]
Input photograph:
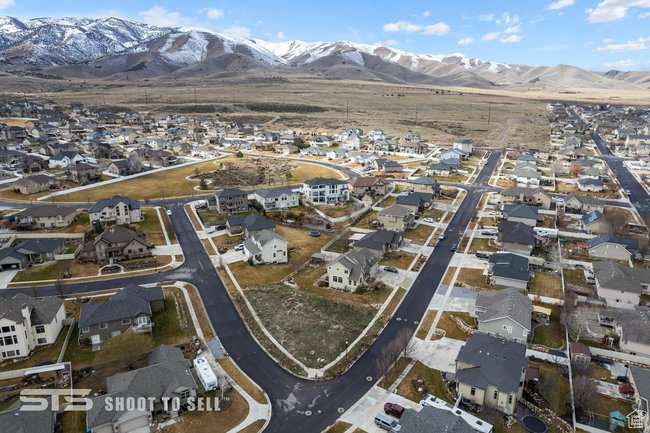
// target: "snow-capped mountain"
[[117, 48]]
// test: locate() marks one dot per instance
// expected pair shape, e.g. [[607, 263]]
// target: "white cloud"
[[259, 22], [280, 35], [607, 41], [426, 14], [633, 45], [491, 36], [437, 29], [612, 10], [160, 16], [621, 64], [466, 41], [510, 39], [512, 29], [508, 19], [238, 31], [212, 13], [486, 18], [4, 4], [386, 43], [560, 4], [644, 15]]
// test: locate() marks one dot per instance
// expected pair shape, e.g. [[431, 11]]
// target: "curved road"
[[298, 404]]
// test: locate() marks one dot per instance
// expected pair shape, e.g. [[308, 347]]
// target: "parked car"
[[391, 269], [393, 409], [384, 422], [210, 230], [482, 255], [490, 232], [428, 220], [169, 212], [454, 247], [220, 227], [239, 247], [442, 236]]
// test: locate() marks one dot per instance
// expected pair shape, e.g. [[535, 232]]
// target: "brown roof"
[[366, 181]]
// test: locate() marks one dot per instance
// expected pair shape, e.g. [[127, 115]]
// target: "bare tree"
[[575, 170], [573, 318], [557, 167], [59, 286], [584, 391], [616, 220], [547, 385], [401, 345], [404, 342]]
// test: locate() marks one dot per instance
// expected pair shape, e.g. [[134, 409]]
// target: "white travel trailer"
[[205, 374]]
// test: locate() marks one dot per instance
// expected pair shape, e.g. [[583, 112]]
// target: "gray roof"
[[395, 210], [324, 181], [274, 192], [13, 420], [379, 240], [641, 378], [507, 303], [586, 199], [43, 309], [231, 192], [42, 246], [265, 236], [494, 361], [357, 261], [517, 191], [630, 244], [430, 419], [526, 170], [45, 210], [521, 211], [168, 372], [124, 307], [516, 233], [415, 198], [611, 275], [592, 217], [440, 166], [508, 265], [586, 181], [424, 180], [251, 222], [113, 201], [149, 294], [634, 323]]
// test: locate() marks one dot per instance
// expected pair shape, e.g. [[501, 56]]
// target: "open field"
[[515, 117]]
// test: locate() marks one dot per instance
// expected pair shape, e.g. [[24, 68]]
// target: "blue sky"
[[593, 34]]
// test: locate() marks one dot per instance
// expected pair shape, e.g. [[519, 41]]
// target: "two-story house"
[[231, 201], [371, 185], [322, 190], [266, 246], [276, 198], [396, 217], [115, 243], [504, 313], [46, 216], [116, 210], [620, 286], [350, 270]]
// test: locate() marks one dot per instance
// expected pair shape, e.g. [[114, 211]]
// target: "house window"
[[510, 399], [40, 329], [472, 391], [496, 394], [11, 328], [85, 329], [41, 340], [185, 394], [126, 321], [103, 325]]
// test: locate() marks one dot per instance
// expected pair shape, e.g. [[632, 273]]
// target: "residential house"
[[167, 377], [591, 185], [121, 167], [116, 210], [312, 151], [466, 146], [337, 154], [611, 247], [376, 135], [364, 159], [388, 165], [45, 216], [15, 419], [516, 237], [36, 183], [396, 217], [490, 372], [371, 185], [40, 250], [594, 223], [351, 142], [619, 285], [322, 190], [415, 201], [129, 310], [436, 415], [231, 201], [441, 169], [631, 325], [266, 246], [506, 313], [412, 147], [531, 196], [276, 198], [248, 224], [321, 141], [425, 184], [83, 173], [508, 270], [527, 174], [640, 379], [115, 243], [67, 158], [10, 259], [27, 323], [350, 271], [521, 213], [454, 157], [380, 242], [583, 204]]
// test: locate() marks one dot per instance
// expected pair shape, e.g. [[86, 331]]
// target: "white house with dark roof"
[[276, 198], [583, 204], [621, 286], [612, 247], [266, 246], [594, 223], [323, 190], [350, 270], [116, 210]]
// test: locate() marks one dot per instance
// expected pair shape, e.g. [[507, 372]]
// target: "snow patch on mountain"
[[192, 51]]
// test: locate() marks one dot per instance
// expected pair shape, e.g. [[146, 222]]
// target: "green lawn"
[[551, 335], [151, 226], [433, 384], [341, 245]]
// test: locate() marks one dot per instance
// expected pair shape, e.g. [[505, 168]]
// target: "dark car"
[[391, 269], [393, 409], [482, 255], [220, 227], [454, 247]]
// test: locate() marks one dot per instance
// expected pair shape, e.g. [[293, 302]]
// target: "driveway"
[[362, 414], [461, 300], [439, 354], [400, 279], [232, 256], [6, 277]]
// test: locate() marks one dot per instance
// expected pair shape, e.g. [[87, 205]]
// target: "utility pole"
[[104, 97], [195, 96], [489, 111], [146, 101], [347, 108], [416, 114]]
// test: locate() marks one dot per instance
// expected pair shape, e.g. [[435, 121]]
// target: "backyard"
[[314, 329], [546, 284]]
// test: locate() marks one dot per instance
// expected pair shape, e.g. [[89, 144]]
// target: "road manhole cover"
[[416, 322], [369, 378], [399, 318], [308, 412], [340, 410]]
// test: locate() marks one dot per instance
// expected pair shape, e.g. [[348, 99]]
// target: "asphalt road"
[[298, 404], [639, 196]]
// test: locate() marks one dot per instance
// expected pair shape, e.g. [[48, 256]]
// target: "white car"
[[169, 212], [239, 247], [428, 220]]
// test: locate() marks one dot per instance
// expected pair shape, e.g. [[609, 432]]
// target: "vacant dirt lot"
[[314, 329]]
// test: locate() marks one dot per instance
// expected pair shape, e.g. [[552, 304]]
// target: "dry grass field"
[[318, 104]]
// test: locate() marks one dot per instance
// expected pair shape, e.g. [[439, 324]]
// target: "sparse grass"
[[73, 421], [208, 247], [472, 277], [394, 303], [398, 259], [394, 373], [211, 217], [341, 245], [448, 275], [482, 244], [53, 270], [425, 324], [193, 219], [575, 277], [213, 421], [451, 328], [81, 225], [151, 226], [366, 219], [312, 328], [551, 335], [339, 210], [419, 234], [339, 427], [242, 380], [199, 310], [433, 384], [545, 284]]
